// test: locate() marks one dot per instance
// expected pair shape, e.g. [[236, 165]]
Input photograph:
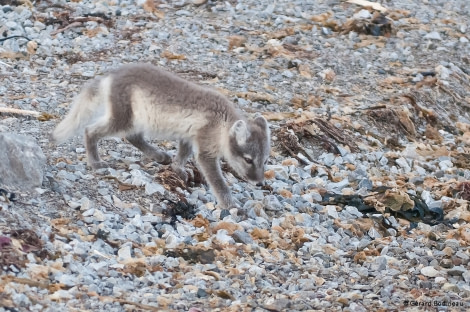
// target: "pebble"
[[403, 163], [362, 14], [353, 211], [242, 237], [124, 253], [331, 210], [151, 188], [429, 271], [272, 203], [280, 171], [434, 35]]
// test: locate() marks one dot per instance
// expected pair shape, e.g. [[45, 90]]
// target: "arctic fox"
[[141, 99]]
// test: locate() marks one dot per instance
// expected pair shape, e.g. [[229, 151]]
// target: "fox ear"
[[261, 121], [239, 131]]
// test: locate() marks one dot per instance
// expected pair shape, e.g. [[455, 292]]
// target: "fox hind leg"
[[93, 134], [149, 151]]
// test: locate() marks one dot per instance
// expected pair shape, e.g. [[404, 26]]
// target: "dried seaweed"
[[377, 25], [8, 197], [418, 212], [464, 190], [180, 208], [294, 135], [30, 240], [337, 134], [192, 254]]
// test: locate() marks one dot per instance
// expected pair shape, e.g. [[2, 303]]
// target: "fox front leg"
[[210, 168]]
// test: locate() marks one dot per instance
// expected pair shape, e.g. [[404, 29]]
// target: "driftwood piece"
[[77, 22], [29, 113], [15, 111], [373, 5], [72, 25]]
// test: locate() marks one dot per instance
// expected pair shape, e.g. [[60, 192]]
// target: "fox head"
[[249, 148]]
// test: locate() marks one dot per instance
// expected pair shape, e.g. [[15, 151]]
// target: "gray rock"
[[403, 163], [124, 253], [434, 35], [331, 210], [258, 195], [327, 158], [353, 211], [21, 300], [338, 186], [280, 171], [457, 271], [21, 162], [366, 184], [152, 187], [466, 276], [272, 203], [67, 279]]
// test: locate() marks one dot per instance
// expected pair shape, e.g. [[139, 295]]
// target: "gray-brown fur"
[[138, 100]]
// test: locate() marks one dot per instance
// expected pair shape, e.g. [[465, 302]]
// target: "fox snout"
[[256, 177]]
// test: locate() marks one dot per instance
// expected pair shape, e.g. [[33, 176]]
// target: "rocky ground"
[[365, 206]]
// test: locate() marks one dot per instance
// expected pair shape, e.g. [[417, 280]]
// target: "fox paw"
[[163, 158], [99, 165], [181, 173]]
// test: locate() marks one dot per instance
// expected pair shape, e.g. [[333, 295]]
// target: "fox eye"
[[248, 160]]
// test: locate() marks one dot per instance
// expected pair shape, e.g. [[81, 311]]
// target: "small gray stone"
[[183, 13], [21, 300], [67, 175], [280, 171], [272, 203], [39, 25], [99, 216], [67, 280], [326, 31], [100, 267], [383, 161], [445, 164], [338, 186], [242, 237], [382, 263], [125, 252], [258, 195], [103, 191], [450, 287], [452, 243], [362, 271], [201, 293], [466, 276], [327, 158], [403, 163], [433, 35], [331, 210], [353, 210], [457, 271], [429, 271], [462, 255], [373, 233], [224, 213], [366, 184], [152, 187]]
